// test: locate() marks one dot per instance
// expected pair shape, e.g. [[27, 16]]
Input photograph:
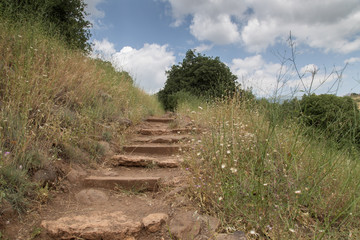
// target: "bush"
[[337, 117], [198, 75]]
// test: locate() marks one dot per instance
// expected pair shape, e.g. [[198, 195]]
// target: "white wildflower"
[[253, 232], [223, 165], [233, 170]]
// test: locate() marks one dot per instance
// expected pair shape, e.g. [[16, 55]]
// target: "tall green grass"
[[56, 104], [261, 174]]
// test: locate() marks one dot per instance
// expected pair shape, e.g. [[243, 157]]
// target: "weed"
[[35, 232]]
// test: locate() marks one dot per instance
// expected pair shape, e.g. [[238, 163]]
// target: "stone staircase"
[[138, 196], [151, 161]]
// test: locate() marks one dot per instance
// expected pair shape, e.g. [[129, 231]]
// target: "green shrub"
[[337, 117]]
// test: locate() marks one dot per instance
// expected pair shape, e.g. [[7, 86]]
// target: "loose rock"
[[154, 221], [90, 196], [184, 226]]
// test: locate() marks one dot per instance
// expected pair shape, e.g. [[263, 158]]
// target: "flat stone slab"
[[144, 161], [162, 120], [129, 183], [160, 139], [161, 149], [149, 131], [93, 226]]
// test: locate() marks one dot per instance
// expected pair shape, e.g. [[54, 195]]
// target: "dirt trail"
[[138, 193]]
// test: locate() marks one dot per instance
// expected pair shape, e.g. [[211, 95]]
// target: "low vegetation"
[[56, 104], [261, 171]]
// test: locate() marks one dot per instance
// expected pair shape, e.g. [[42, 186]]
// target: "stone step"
[[159, 149], [149, 131], [145, 161], [103, 225], [128, 183], [160, 139], [161, 120]]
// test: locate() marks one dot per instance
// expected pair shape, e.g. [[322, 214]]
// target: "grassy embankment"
[[261, 174], [56, 105]]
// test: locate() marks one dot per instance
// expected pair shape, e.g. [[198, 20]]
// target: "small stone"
[[75, 175], [46, 175], [238, 235], [211, 223], [184, 226], [90, 196], [154, 221]]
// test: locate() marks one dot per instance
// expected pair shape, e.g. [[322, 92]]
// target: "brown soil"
[[138, 193]]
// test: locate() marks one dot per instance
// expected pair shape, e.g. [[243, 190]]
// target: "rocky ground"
[[137, 193]]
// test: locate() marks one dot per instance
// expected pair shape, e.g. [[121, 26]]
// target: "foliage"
[[336, 117], [198, 75], [65, 18], [265, 177]]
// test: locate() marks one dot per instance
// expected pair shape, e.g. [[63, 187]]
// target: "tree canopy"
[[198, 75], [63, 17]]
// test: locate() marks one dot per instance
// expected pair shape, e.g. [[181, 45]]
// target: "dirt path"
[[138, 193]]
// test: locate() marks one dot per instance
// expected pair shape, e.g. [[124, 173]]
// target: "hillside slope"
[[56, 106]]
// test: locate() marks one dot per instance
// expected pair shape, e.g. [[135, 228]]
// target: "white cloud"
[[103, 49], [330, 25], [219, 30], [352, 60], [147, 65], [269, 79], [253, 72]]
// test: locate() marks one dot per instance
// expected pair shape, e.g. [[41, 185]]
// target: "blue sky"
[[146, 37]]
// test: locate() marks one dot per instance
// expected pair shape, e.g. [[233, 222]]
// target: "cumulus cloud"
[[352, 60], [257, 24], [269, 79], [253, 72], [147, 65], [219, 30]]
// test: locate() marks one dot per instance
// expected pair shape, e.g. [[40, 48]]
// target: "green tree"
[[198, 75], [65, 18]]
